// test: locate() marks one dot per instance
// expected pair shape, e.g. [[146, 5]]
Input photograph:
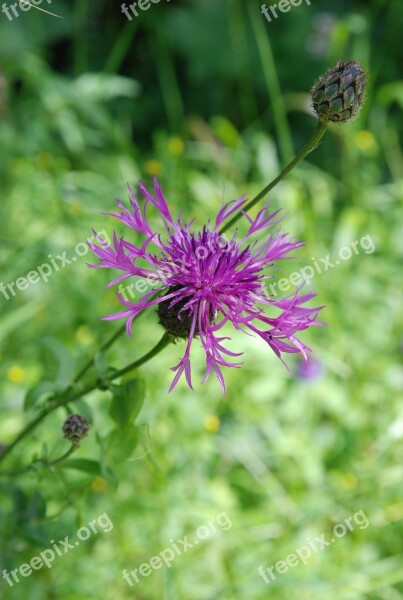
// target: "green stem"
[[311, 144], [65, 398], [70, 451], [91, 361], [164, 341], [103, 348], [44, 463]]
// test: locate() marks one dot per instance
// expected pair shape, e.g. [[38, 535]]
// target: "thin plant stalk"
[[67, 396], [309, 146]]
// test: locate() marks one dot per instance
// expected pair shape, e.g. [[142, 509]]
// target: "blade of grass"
[[239, 44], [121, 47], [273, 85], [80, 46], [168, 82]]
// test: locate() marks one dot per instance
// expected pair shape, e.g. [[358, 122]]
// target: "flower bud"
[[340, 92], [75, 428]]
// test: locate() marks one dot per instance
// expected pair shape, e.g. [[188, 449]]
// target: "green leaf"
[[92, 467], [225, 130], [27, 508], [60, 360], [38, 394], [84, 409], [146, 441], [121, 443], [110, 476], [101, 87], [83, 464], [36, 508], [128, 398], [20, 503], [37, 535], [101, 364]]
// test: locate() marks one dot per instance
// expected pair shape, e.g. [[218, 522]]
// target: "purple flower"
[[309, 369], [201, 281]]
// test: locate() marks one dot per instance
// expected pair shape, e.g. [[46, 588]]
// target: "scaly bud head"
[[340, 92], [75, 428]]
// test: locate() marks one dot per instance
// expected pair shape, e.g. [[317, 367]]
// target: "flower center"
[[178, 327]]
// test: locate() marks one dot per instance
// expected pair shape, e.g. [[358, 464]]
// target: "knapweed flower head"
[[201, 281]]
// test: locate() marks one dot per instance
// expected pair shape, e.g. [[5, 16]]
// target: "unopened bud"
[[340, 92], [75, 428]]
